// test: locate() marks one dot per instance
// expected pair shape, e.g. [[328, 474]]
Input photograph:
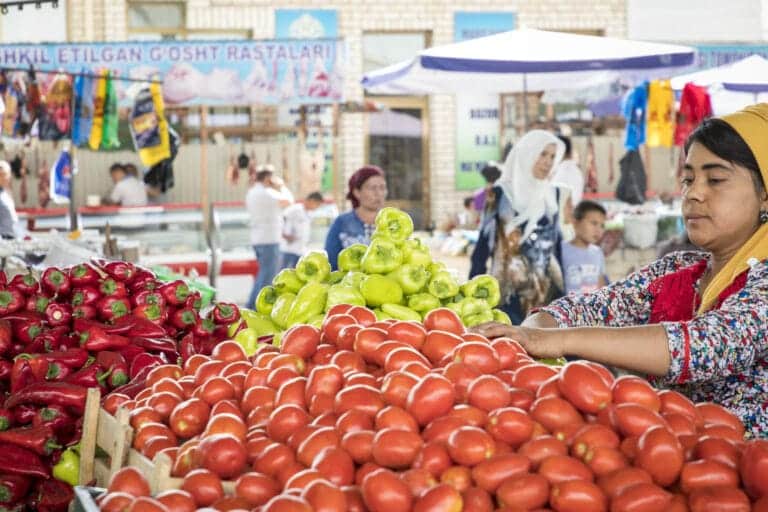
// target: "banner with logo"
[[477, 116], [236, 72], [61, 177]]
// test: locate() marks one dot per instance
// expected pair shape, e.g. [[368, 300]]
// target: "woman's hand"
[[539, 343]]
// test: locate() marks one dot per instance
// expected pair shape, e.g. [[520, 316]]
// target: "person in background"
[[297, 226], [367, 192], [128, 189], [583, 260], [265, 202], [491, 173], [6, 192], [568, 173], [468, 217]]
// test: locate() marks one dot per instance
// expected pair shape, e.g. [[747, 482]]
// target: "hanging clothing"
[[695, 106], [109, 138], [661, 107], [149, 128], [592, 181], [97, 124], [634, 109], [632, 181], [56, 116], [83, 114]]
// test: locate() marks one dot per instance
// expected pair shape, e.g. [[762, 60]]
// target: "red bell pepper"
[[145, 328], [111, 288], [95, 339], [84, 311], [189, 346], [130, 352], [152, 313], [120, 270], [53, 496], [74, 358], [144, 283], [55, 281], [143, 361], [83, 275], [184, 318], [148, 297], [90, 377], [37, 303], [40, 440], [111, 308], [175, 292], [56, 417], [21, 375], [50, 393], [58, 314], [6, 337], [116, 366], [138, 380], [28, 330], [118, 327], [6, 367], [204, 328], [161, 345], [13, 488], [194, 301], [24, 414], [225, 313], [6, 419], [25, 283], [86, 295], [20, 461], [11, 301]]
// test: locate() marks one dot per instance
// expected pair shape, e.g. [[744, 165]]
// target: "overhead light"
[[4, 9], [55, 4], [38, 5]]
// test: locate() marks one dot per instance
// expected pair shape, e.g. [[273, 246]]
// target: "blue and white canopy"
[[526, 60], [745, 75]]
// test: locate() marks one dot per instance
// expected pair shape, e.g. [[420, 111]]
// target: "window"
[[47, 24], [166, 21], [384, 48]]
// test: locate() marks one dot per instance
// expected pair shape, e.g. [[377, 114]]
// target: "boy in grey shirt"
[[583, 260]]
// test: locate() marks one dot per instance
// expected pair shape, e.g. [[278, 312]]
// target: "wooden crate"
[[108, 449], [158, 472]]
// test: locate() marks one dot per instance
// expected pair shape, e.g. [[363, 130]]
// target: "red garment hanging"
[[695, 106]]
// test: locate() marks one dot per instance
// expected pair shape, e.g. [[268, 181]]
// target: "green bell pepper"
[[395, 224], [399, 312], [342, 294], [259, 322], [423, 302], [335, 277], [416, 252], [483, 287], [68, 468], [249, 340], [281, 309], [501, 317], [350, 258], [411, 278], [477, 318], [378, 290], [265, 300], [443, 285], [286, 281], [313, 267], [354, 279], [310, 301], [435, 267], [381, 257]]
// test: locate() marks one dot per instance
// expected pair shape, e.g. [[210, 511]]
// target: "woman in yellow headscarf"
[[697, 321]]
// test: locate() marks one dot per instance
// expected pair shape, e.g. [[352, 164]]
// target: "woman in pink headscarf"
[[367, 192]]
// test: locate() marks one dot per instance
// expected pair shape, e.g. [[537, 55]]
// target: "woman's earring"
[[763, 216]]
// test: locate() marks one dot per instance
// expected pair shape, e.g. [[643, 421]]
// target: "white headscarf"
[[530, 197]]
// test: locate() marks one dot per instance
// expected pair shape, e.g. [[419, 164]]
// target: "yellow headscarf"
[[752, 125]]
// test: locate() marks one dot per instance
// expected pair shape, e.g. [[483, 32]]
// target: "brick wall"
[[93, 20]]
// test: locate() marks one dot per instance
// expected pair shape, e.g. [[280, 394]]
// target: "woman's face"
[[721, 205], [372, 193], [543, 166]]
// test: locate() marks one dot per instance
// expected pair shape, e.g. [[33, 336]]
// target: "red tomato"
[[347, 335], [760, 505], [229, 351], [359, 445], [707, 473], [629, 389], [719, 450], [561, 468], [578, 495], [441, 498], [325, 497], [539, 448], [434, 458], [593, 435], [338, 309], [477, 354], [204, 486], [412, 333], [227, 407], [189, 418], [469, 446], [364, 316], [458, 477], [532, 376], [643, 497], [335, 465], [172, 371], [433, 396], [383, 491], [292, 392], [156, 444], [476, 500], [660, 453], [169, 385], [470, 415], [525, 491], [226, 424], [367, 340], [680, 425], [215, 389], [443, 319], [439, 344], [754, 468], [722, 432], [287, 503], [273, 458], [223, 454], [256, 488], [401, 357], [489, 474], [177, 500], [507, 350], [715, 414], [396, 449], [363, 398], [584, 387], [301, 479], [301, 340], [352, 421], [461, 376], [360, 379], [117, 502], [672, 401], [510, 425], [332, 326], [419, 481], [718, 499], [488, 392], [147, 504], [550, 387], [603, 460], [383, 350], [150, 430], [613, 484], [285, 420], [521, 398], [604, 372], [129, 480], [397, 418], [325, 379], [315, 443], [634, 419], [396, 386], [555, 413], [142, 415]]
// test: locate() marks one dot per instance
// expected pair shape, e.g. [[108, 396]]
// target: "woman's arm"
[[643, 349]]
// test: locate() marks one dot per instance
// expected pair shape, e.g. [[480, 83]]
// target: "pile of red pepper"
[[100, 324]]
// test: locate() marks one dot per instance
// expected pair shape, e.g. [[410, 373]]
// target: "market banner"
[[477, 115], [233, 72]]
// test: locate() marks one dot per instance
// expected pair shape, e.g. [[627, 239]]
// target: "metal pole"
[[525, 103]]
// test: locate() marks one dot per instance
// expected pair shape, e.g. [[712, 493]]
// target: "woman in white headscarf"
[[520, 229]]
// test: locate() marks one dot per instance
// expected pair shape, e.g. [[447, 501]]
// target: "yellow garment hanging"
[[751, 124], [99, 99], [660, 126]]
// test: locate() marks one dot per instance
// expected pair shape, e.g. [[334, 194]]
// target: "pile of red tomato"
[[391, 416]]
